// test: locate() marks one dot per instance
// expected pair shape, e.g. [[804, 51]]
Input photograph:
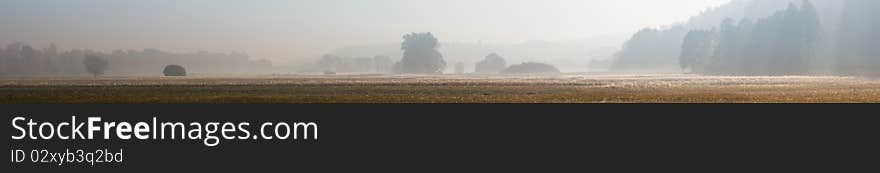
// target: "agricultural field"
[[566, 88]]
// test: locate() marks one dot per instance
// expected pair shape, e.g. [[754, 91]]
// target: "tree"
[[782, 44], [336, 64], [51, 57], [12, 57], [792, 57], [382, 64], [726, 52], [420, 55], [174, 70], [493, 63], [362, 65], [857, 50], [459, 68], [29, 56], [531, 68], [95, 65], [697, 45], [651, 50], [330, 63], [260, 66], [3, 62]]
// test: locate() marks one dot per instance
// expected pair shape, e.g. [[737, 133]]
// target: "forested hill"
[[657, 50], [785, 43], [856, 49], [790, 42]]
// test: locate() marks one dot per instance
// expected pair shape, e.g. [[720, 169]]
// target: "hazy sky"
[[294, 29]]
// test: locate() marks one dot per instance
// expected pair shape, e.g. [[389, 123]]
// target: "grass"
[[571, 88]]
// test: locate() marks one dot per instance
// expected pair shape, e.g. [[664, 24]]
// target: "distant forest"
[[756, 37], [18, 59], [783, 44]]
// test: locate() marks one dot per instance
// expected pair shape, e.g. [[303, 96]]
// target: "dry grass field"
[[568, 88]]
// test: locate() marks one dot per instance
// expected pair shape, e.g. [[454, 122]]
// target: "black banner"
[[470, 138]]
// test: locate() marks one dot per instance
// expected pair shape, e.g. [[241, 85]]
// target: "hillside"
[[656, 50]]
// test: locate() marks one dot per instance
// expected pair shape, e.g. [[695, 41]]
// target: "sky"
[[293, 30]]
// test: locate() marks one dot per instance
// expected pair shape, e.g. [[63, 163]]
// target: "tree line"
[[790, 42], [332, 64], [19, 59], [420, 56], [659, 50], [782, 44], [857, 52]]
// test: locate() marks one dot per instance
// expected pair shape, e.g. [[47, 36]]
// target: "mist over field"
[[439, 51], [294, 35], [715, 37]]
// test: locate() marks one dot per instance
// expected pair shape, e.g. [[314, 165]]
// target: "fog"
[[754, 37], [718, 37], [302, 30]]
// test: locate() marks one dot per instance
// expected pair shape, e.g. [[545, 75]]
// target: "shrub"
[[174, 70], [531, 68], [493, 63], [95, 65]]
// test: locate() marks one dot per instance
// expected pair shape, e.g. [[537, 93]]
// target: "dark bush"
[[531, 68], [95, 65], [174, 70], [493, 63]]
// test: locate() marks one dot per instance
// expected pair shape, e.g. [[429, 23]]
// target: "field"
[[568, 88]]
